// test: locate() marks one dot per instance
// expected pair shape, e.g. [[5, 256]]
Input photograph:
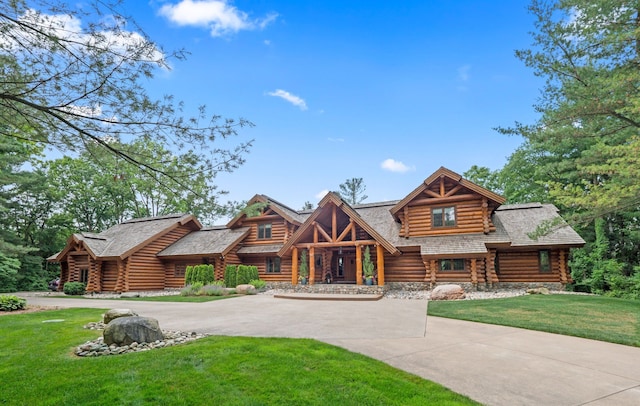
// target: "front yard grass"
[[37, 366], [595, 317]]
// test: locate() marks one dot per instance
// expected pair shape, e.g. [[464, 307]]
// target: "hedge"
[[235, 275], [199, 273]]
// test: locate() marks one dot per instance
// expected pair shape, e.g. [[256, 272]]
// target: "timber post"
[[312, 265], [294, 266], [358, 265], [380, 261]]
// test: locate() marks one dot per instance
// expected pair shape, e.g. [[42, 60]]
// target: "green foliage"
[[213, 290], [246, 273], [258, 283], [74, 288], [231, 276], [352, 191], [199, 273], [235, 275], [9, 303], [303, 266], [200, 289], [367, 265], [8, 273]]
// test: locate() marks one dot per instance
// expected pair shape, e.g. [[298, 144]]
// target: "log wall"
[[523, 267], [469, 219], [407, 267], [145, 271], [109, 276], [260, 261], [278, 231]]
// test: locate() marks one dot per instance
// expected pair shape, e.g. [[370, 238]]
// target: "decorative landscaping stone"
[[538, 291], [115, 313], [447, 292], [126, 330], [98, 347], [246, 290]]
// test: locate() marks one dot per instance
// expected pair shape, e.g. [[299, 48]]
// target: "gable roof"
[[522, 220], [442, 171], [207, 241], [332, 197], [282, 210], [123, 239]]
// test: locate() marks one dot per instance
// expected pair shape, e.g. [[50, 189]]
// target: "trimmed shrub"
[[199, 273], [74, 288], [9, 303], [258, 283], [230, 276], [188, 275]]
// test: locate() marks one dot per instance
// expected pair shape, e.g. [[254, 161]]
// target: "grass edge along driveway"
[[587, 316]]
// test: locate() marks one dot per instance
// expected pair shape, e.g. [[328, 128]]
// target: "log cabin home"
[[447, 230]]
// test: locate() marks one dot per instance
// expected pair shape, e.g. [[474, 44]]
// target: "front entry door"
[[349, 268]]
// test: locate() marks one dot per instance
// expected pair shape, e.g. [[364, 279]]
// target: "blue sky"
[[386, 91]]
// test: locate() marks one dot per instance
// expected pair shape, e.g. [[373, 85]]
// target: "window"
[[84, 275], [452, 264], [264, 231], [273, 265], [340, 266], [544, 261], [443, 216], [179, 270]]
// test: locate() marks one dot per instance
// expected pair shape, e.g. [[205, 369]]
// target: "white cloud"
[[463, 73], [113, 38], [218, 15], [321, 194], [395, 166], [291, 98]]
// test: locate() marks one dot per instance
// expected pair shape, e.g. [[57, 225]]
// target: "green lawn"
[[37, 366], [596, 317]]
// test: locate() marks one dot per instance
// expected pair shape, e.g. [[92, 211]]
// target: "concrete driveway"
[[494, 365]]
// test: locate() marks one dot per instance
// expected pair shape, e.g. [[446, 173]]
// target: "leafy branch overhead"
[[73, 77]]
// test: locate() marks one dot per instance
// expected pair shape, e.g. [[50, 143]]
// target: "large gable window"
[[273, 265], [264, 231], [443, 216], [452, 264]]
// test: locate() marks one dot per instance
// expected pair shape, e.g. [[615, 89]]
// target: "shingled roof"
[[208, 241], [521, 221], [122, 239]]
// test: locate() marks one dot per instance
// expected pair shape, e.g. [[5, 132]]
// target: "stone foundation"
[[529, 285]]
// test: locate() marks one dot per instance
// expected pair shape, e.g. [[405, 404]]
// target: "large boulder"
[[538, 291], [246, 290], [115, 313], [135, 329], [447, 292]]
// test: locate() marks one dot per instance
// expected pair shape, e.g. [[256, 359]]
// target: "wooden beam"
[[306, 245], [380, 261], [312, 265], [315, 233], [436, 200], [442, 190], [353, 232], [431, 193], [453, 191], [334, 223], [294, 266], [474, 271], [319, 228], [358, 264], [345, 232], [262, 218]]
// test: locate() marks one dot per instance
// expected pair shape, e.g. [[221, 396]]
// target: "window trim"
[[542, 267], [177, 273], [83, 275], [452, 268], [264, 229], [275, 265], [444, 208]]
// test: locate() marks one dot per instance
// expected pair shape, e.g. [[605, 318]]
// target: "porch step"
[[330, 296]]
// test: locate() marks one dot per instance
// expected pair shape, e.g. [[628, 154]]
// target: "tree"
[[75, 75], [307, 205], [352, 191], [587, 135]]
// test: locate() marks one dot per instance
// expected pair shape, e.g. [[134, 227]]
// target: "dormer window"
[[264, 231], [443, 216]]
